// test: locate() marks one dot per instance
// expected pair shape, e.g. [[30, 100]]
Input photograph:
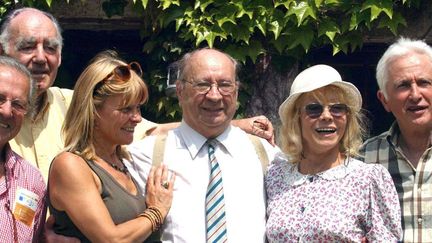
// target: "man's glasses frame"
[[314, 110], [121, 73], [203, 87]]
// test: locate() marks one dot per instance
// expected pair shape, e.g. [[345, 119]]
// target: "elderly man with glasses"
[[219, 191], [22, 188]]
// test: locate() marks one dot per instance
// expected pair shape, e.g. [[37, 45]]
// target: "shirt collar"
[[47, 100], [194, 141], [10, 160], [393, 134], [294, 178]]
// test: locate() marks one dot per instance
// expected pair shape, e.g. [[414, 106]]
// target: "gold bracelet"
[[154, 215], [157, 213], [146, 215]]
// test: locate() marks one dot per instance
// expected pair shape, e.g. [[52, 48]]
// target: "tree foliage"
[[249, 30]]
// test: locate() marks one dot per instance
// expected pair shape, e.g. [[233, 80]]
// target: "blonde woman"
[[323, 194], [91, 193]]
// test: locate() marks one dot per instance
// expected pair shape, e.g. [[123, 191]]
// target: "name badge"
[[25, 206]]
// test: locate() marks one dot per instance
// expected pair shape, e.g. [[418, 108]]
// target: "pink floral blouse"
[[343, 204]]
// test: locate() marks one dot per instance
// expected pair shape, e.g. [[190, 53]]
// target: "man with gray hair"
[[33, 37], [22, 188], [404, 75]]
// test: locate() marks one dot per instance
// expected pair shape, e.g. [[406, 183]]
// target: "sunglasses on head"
[[120, 73], [315, 110]]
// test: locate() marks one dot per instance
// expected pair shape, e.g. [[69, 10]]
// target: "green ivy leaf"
[[318, 3], [277, 17], [242, 33], [167, 3], [261, 24], [329, 28], [281, 43], [210, 37], [144, 3], [393, 24], [172, 15], [179, 22], [286, 3], [254, 50], [238, 52], [302, 36], [302, 10], [358, 18], [202, 5], [275, 28], [223, 19], [377, 7], [242, 11]]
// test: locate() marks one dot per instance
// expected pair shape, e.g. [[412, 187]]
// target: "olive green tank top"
[[121, 204]]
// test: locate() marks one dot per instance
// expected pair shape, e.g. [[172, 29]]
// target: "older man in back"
[[33, 37], [404, 75], [219, 192], [22, 188]]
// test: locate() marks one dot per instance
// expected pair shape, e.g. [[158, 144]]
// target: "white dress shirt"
[[186, 155]]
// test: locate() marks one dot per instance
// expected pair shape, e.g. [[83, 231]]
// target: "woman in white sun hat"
[[323, 194]]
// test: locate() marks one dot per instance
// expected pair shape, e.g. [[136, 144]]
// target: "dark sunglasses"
[[315, 110], [120, 74]]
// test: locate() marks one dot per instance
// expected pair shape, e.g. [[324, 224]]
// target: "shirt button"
[[419, 220]]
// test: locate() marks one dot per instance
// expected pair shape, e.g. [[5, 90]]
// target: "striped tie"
[[215, 203]]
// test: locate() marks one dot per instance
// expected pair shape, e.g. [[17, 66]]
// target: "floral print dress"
[[343, 204]]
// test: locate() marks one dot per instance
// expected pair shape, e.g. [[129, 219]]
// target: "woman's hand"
[[259, 126], [159, 192]]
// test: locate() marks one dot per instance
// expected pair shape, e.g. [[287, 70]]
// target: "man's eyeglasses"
[[315, 110], [203, 87], [120, 74], [18, 106]]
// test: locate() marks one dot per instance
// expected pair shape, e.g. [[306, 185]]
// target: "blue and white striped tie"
[[215, 202]]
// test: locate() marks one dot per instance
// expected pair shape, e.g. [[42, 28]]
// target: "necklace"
[[122, 169]]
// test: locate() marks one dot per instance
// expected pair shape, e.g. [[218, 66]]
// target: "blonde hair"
[[290, 133], [78, 128]]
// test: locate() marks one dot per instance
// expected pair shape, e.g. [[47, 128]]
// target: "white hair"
[[400, 48]]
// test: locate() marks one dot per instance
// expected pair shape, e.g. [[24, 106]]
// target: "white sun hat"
[[316, 77]]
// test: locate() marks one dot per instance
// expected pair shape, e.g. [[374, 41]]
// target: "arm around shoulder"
[[164, 128], [258, 125]]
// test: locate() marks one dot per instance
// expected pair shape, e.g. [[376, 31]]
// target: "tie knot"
[[212, 143]]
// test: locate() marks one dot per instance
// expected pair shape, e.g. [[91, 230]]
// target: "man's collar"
[[194, 141], [393, 134], [10, 157], [41, 106]]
